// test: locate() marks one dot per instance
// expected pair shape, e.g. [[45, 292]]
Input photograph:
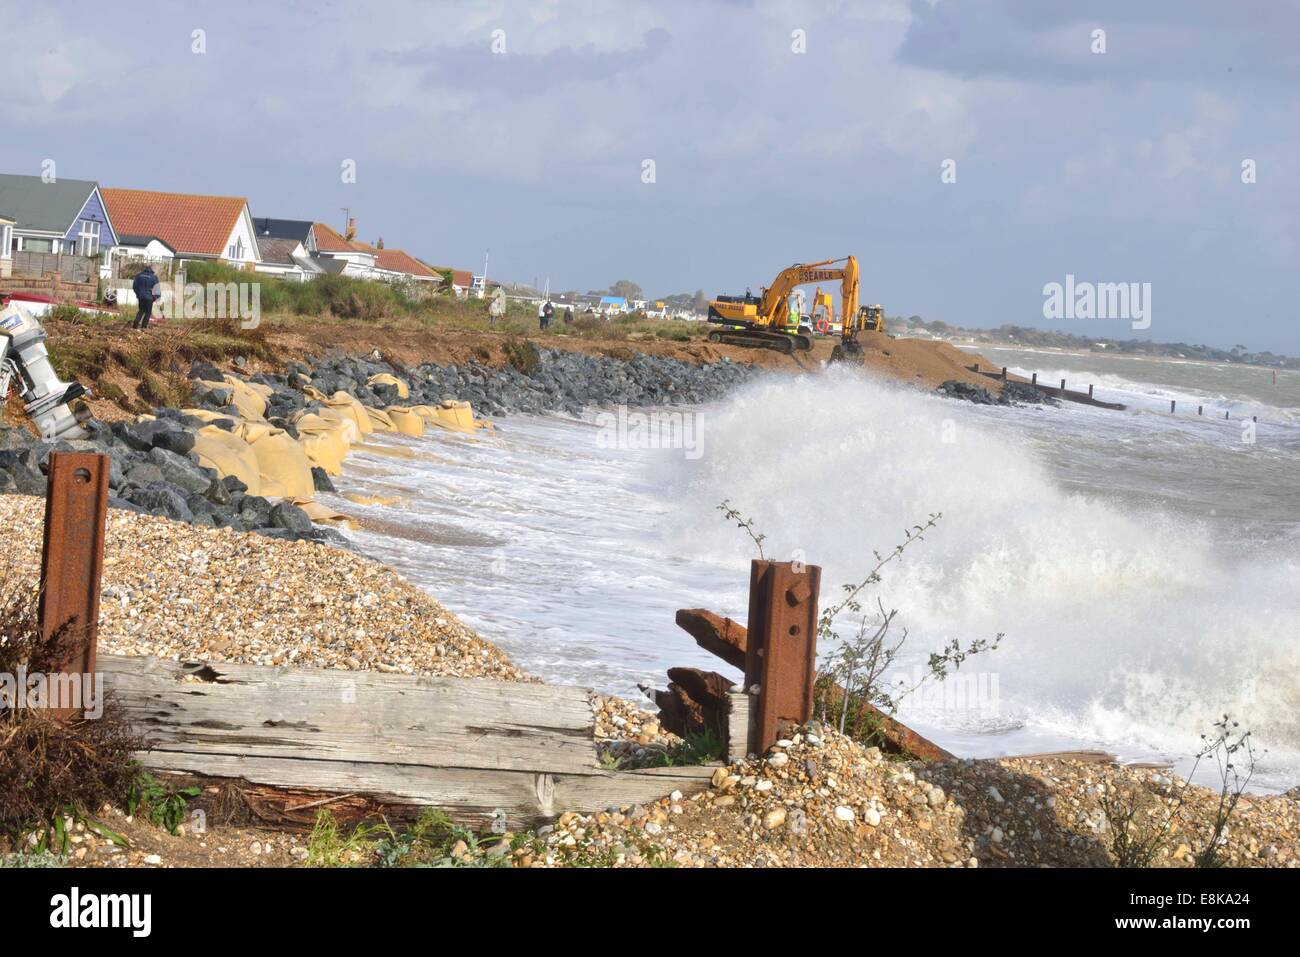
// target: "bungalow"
[[148, 248], [59, 216], [341, 256], [215, 228], [396, 264], [299, 230], [287, 259]]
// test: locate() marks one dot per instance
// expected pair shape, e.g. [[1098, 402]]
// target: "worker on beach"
[[147, 289]]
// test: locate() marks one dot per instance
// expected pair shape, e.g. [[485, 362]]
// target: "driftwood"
[[482, 750], [729, 641]]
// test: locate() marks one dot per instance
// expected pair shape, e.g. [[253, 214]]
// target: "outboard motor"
[[54, 405]]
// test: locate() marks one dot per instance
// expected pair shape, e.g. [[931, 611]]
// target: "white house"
[[217, 228]]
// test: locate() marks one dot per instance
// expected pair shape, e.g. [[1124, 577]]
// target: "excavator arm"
[[759, 322]]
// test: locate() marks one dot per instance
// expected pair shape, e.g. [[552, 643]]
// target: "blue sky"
[[1122, 166]]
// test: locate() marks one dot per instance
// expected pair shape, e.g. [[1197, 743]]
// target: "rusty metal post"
[[72, 563], [781, 652]]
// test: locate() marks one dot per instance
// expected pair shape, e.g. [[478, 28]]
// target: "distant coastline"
[[1030, 339]]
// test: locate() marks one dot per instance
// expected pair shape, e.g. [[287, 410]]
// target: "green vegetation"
[[432, 841], [1142, 824], [699, 747], [850, 692], [165, 806]]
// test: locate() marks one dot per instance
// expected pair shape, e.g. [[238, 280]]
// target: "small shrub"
[[52, 768], [1140, 827], [163, 805], [521, 354]]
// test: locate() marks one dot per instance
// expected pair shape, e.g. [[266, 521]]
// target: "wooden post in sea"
[[1062, 385], [1090, 390], [1034, 380], [1200, 410], [1172, 405], [1004, 373]]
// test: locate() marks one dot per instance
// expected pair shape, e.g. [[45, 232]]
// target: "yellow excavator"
[[763, 321]]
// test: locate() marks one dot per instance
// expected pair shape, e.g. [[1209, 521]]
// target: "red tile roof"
[[398, 261], [197, 225], [330, 241], [459, 277]]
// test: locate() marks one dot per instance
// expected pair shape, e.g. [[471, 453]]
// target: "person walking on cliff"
[[147, 289]]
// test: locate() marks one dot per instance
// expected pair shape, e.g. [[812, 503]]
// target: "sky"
[[968, 153]]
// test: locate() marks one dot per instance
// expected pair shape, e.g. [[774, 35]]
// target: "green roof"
[[48, 207]]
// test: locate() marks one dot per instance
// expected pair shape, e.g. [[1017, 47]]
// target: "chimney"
[[380, 244], [352, 229]]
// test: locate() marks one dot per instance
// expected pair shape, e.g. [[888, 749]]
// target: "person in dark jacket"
[[144, 288]]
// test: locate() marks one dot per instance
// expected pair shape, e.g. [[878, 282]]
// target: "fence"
[[68, 267]]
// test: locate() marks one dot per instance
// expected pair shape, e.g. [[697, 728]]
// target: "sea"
[[1137, 571]]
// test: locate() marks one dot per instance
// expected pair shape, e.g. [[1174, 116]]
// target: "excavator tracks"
[[758, 339]]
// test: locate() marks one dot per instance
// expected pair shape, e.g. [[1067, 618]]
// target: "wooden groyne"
[[1061, 392]]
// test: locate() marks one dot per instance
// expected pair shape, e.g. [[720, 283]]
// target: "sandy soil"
[[167, 350]]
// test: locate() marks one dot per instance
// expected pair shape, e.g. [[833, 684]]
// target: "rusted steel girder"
[[72, 562], [730, 642], [781, 652], [715, 634]]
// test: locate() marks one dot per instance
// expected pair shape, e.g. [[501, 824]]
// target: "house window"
[[38, 245], [236, 250], [88, 238]]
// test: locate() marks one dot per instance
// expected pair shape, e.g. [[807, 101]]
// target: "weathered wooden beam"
[[715, 634], [741, 725], [482, 750], [355, 716]]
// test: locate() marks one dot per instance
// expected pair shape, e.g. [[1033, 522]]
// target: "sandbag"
[[318, 512], [326, 441], [384, 378], [406, 421], [451, 415], [261, 388], [381, 420], [228, 454], [283, 465], [345, 405], [249, 401], [337, 419], [361, 499], [207, 415]]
